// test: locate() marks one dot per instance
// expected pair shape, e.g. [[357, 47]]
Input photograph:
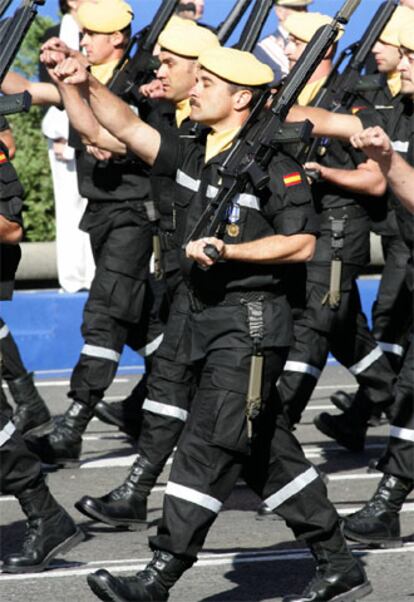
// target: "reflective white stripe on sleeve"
[[400, 433], [151, 347], [6, 432], [156, 407], [391, 348], [400, 146], [4, 331], [366, 361], [248, 200], [291, 488], [101, 352], [193, 496], [187, 181], [302, 367]]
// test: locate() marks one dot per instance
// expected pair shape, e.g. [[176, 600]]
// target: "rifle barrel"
[[229, 24], [254, 25]]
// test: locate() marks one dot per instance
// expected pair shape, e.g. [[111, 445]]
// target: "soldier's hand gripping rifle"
[[13, 31], [341, 89], [137, 64], [257, 143]]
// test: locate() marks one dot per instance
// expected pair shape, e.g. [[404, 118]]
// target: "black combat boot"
[[63, 446], [125, 414], [49, 531], [125, 506], [32, 418], [348, 429], [339, 576], [380, 412], [150, 585], [5, 407], [378, 522]]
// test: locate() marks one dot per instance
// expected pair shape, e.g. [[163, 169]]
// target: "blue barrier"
[[46, 326]]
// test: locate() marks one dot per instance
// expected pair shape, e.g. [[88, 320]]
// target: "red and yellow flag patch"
[[292, 179], [357, 109], [3, 158]]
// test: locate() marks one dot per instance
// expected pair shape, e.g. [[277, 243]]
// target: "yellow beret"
[[105, 16], [303, 26], [391, 32], [236, 66], [188, 41], [407, 34], [176, 20], [293, 3]]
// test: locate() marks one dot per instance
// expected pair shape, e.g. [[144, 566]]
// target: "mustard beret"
[[407, 34], [176, 20], [303, 26], [293, 3], [391, 32], [236, 66], [105, 16], [188, 41]]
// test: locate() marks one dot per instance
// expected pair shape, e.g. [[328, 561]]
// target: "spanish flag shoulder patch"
[[292, 179], [3, 158], [357, 109]]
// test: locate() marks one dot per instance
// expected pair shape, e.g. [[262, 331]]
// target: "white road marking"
[[205, 560]]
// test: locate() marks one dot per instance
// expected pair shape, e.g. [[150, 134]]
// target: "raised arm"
[[399, 174], [112, 113], [42, 93], [367, 178], [326, 123]]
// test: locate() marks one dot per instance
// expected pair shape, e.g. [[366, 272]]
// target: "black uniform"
[[392, 305], [399, 456], [214, 447], [20, 469], [320, 328]]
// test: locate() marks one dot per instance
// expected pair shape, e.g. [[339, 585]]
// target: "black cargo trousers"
[[214, 450], [117, 309], [343, 331]]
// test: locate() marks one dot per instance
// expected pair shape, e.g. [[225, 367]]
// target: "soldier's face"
[[293, 50], [409, 3], [211, 99], [406, 69], [386, 57], [177, 75], [99, 47]]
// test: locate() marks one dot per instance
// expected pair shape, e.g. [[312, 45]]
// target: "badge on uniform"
[[3, 158], [233, 217], [292, 179]]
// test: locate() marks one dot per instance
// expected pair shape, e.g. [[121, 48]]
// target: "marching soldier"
[[328, 315], [265, 230], [378, 521], [49, 530], [118, 221]]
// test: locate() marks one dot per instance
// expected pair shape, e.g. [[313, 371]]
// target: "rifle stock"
[[15, 103], [254, 25], [255, 147], [14, 33]]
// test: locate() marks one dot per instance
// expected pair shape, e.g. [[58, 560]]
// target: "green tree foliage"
[[31, 160]]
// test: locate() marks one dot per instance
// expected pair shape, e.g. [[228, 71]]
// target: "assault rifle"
[[4, 5], [263, 133], [136, 67], [15, 103], [341, 89], [14, 31], [254, 25]]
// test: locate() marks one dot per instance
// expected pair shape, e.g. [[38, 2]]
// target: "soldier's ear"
[[242, 99]]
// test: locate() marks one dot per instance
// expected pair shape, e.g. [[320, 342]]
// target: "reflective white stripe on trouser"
[[4, 331], [391, 348], [6, 432], [400, 433], [101, 352], [366, 361], [187, 181], [151, 347], [193, 496], [291, 488], [302, 367], [164, 409]]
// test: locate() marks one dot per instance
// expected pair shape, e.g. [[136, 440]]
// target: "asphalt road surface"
[[244, 560]]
